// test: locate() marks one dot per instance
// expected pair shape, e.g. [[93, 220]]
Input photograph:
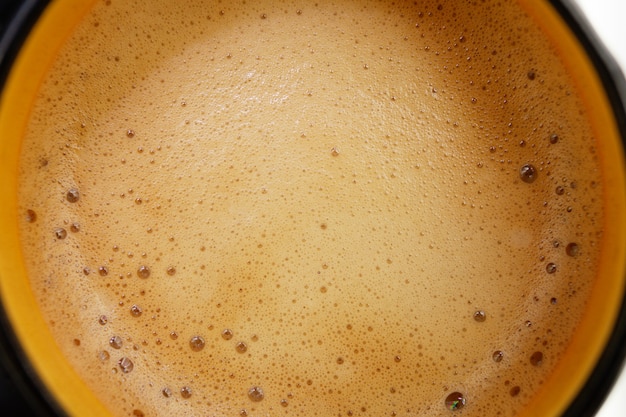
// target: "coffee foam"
[[310, 209]]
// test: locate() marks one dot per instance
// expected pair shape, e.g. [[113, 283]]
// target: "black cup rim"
[[608, 367]]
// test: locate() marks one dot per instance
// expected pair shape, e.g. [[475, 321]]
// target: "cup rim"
[[609, 365], [611, 362], [12, 357]]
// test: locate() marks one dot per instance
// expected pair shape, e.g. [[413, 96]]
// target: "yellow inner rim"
[[73, 395], [595, 329], [29, 326]]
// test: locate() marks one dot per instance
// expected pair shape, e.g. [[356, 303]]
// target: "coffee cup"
[[312, 208]]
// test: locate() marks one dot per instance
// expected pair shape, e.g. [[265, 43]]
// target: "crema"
[[330, 208]]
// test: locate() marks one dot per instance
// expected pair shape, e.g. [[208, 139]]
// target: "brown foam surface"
[[310, 209]]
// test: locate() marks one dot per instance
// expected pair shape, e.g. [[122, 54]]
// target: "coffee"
[[323, 208]]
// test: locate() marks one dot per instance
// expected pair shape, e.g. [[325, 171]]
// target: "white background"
[[608, 19]]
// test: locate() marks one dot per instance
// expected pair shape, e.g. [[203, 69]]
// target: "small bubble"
[[241, 347], [167, 393], [116, 342], [227, 334], [86, 270], [531, 75], [263, 16], [339, 360], [31, 216], [455, 401], [130, 133], [480, 316], [554, 138], [572, 249], [72, 195], [560, 190], [173, 335], [536, 358], [396, 359], [103, 355], [255, 394], [76, 342], [298, 11], [103, 271], [138, 413], [515, 391], [135, 310], [126, 365], [103, 319], [196, 343], [334, 151], [497, 356], [60, 233], [171, 270], [284, 402], [528, 173], [185, 392], [553, 300], [75, 228], [143, 272], [551, 268]]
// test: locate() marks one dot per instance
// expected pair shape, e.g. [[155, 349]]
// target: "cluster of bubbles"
[[528, 173]]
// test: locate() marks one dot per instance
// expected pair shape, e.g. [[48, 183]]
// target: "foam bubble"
[[126, 365], [72, 195], [455, 401], [256, 394], [185, 392], [116, 342], [528, 173], [143, 272], [196, 343]]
